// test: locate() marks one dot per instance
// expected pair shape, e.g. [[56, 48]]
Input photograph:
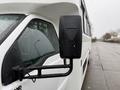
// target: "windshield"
[[8, 22]]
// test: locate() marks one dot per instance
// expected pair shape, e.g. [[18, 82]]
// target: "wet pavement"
[[104, 69]]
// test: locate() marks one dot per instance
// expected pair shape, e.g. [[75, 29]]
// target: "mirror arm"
[[65, 63], [70, 66], [21, 71]]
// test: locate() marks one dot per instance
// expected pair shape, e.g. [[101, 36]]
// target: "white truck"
[[44, 44]]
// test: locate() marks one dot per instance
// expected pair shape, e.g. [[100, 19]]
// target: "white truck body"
[[50, 11]]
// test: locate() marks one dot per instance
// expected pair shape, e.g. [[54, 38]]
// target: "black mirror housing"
[[70, 36]]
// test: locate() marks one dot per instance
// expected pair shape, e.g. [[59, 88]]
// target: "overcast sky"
[[104, 15]]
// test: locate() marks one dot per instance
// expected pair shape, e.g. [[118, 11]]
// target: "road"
[[104, 69]]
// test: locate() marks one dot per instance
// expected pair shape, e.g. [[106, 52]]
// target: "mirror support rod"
[[21, 71]]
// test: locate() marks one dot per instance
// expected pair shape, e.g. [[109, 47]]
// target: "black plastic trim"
[[21, 70]]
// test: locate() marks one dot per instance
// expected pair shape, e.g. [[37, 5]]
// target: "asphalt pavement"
[[104, 69]]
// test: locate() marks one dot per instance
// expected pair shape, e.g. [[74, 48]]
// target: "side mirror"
[[70, 37], [70, 41]]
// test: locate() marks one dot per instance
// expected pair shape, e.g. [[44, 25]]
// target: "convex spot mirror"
[[70, 36]]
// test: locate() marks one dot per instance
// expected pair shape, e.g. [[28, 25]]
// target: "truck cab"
[[33, 56]]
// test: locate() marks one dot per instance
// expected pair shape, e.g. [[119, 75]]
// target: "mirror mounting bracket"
[[21, 71]]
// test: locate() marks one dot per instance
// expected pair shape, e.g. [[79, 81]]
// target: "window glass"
[[7, 22], [37, 40], [87, 28], [83, 14], [85, 25]]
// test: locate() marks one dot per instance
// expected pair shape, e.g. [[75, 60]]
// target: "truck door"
[[36, 44]]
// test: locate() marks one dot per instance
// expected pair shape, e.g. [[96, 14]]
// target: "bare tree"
[[94, 39], [114, 34], [106, 36]]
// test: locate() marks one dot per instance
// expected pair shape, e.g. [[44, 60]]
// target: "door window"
[[8, 22], [37, 41]]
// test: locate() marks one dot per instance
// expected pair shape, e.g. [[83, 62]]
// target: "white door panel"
[[47, 83], [74, 81], [42, 84]]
